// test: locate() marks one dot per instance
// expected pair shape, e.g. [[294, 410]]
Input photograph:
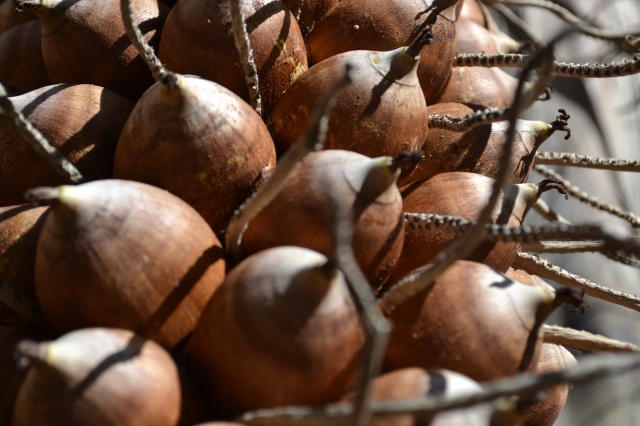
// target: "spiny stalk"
[[584, 341], [243, 46], [579, 160]]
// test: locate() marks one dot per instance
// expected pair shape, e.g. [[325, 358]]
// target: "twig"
[[420, 280], [375, 324], [547, 212], [560, 69], [527, 233], [587, 198], [579, 160], [588, 369], [547, 270], [38, 142], [577, 23], [25, 308], [243, 46], [585, 341], [520, 24], [564, 246], [313, 139], [137, 39]]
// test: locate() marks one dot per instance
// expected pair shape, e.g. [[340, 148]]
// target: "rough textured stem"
[[561, 69], [579, 160], [587, 198], [526, 233], [585, 341], [548, 213], [420, 280], [577, 23], [26, 309], [38, 142], [588, 369], [547, 270], [563, 246], [519, 23], [313, 139], [241, 39], [137, 39], [375, 324]]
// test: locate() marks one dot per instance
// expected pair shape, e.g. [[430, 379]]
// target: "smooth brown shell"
[[19, 231], [312, 10], [385, 25], [457, 194], [472, 37], [472, 320], [279, 331], [416, 383], [21, 63], [99, 377], [11, 376], [197, 39], [302, 214], [201, 142], [82, 121], [10, 18], [552, 358], [124, 254], [372, 116], [526, 278], [85, 41], [478, 150], [486, 87]]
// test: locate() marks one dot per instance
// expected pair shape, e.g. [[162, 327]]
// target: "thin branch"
[[527, 233], [577, 23], [585, 341], [137, 39], [547, 270], [374, 322], [560, 69], [243, 46], [589, 368], [25, 308], [38, 142], [579, 160], [564, 246], [420, 280], [520, 24], [587, 198], [313, 139], [548, 213]]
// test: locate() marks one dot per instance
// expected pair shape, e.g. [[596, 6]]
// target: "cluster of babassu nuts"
[[153, 322]]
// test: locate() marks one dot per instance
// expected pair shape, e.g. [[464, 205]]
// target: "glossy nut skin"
[[473, 320], [197, 39], [373, 116], [281, 330], [85, 42], [124, 254], [303, 213], [199, 141], [464, 195], [312, 11], [21, 63], [125, 380], [82, 121], [10, 18], [386, 25], [486, 87]]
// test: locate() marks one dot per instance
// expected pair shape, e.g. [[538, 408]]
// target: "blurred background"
[[605, 122]]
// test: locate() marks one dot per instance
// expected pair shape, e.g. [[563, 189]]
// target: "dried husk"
[[82, 121], [98, 377], [281, 330], [201, 142], [303, 213], [472, 320], [382, 25], [197, 39], [124, 254]]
